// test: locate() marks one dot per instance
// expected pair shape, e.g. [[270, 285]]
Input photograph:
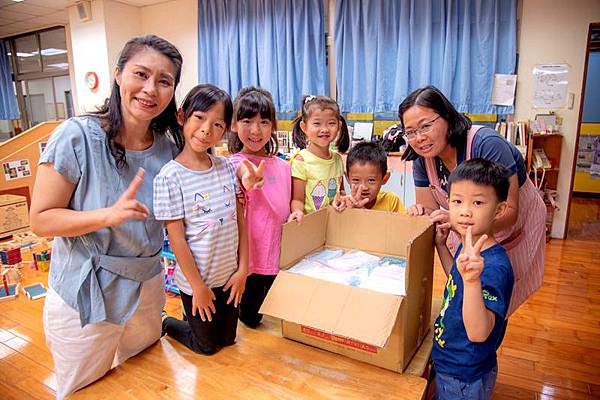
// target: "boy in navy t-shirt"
[[471, 323]]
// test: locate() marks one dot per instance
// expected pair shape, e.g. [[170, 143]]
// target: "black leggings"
[[206, 337], [257, 287]]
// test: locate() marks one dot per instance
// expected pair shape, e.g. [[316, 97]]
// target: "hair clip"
[[309, 99]]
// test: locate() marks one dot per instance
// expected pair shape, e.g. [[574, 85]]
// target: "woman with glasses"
[[439, 138]]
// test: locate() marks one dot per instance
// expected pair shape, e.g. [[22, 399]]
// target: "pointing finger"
[[135, 184], [469, 241]]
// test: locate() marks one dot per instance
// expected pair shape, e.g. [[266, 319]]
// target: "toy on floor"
[[10, 262], [35, 291], [26, 240], [8, 291], [10, 255], [41, 261]]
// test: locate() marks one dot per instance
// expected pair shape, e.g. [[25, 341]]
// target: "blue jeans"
[[449, 388]]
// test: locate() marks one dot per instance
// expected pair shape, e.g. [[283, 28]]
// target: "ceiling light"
[[59, 65], [53, 52]]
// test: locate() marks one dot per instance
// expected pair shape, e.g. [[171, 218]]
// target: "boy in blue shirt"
[[471, 323]]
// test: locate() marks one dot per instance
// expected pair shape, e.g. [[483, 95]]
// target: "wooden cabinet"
[[550, 145], [543, 160]]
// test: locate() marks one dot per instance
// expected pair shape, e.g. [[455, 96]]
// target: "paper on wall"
[[550, 83], [503, 91], [362, 130]]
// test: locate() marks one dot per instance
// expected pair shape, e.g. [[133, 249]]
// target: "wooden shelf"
[[551, 144], [547, 170], [542, 135]]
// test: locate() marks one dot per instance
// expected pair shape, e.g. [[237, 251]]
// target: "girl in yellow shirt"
[[317, 171]]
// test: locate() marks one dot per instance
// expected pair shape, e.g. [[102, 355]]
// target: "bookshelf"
[[551, 145]]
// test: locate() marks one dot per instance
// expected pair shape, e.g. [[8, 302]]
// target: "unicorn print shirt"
[[206, 201]]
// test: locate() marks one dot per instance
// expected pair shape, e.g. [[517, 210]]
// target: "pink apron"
[[524, 242]]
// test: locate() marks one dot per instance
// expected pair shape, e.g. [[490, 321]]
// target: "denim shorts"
[[450, 388]]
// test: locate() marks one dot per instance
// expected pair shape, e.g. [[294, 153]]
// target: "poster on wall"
[[16, 169], [550, 83], [588, 155]]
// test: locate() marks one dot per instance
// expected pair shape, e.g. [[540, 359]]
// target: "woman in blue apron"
[[93, 193]]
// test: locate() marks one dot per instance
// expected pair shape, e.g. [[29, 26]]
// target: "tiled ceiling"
[[31, 15]]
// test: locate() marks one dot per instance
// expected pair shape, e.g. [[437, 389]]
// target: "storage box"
[[377, 328], [14, 215]]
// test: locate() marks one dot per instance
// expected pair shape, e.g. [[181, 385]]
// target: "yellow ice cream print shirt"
[[322, 177]]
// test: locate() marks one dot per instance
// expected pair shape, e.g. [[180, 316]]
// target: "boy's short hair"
[[482, 172], [367, 152]]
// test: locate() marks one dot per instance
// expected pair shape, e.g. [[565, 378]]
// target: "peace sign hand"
[[339, 202], [127, 207], [252, 176], [355, 200], [470, 262]]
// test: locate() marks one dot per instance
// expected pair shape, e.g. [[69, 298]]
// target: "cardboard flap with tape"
[[355, 313]]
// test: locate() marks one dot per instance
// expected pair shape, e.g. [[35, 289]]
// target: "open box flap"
[[297, 240], [356, 313]]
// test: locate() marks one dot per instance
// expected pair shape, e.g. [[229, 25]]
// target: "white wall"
[[96, 45], [74, 93], [122, 22], [89, 53], [555, 31], [177, 22]]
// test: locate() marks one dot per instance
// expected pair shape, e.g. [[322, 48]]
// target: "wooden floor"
[[584, 218], [551, 351]]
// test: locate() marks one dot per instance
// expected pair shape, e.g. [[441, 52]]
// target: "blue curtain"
[[276, 44], [8, 99], [386, 49]]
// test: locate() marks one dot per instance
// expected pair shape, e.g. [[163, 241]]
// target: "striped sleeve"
[[167, 199], [231, 169]]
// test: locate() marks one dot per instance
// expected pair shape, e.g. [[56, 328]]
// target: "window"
[[54, 50], [28, 54], [41, 64]]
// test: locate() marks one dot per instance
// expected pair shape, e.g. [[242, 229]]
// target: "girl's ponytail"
[[343, 141], [298, 136]]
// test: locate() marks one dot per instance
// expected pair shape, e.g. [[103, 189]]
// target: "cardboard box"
[[14, 215], [377, 328]]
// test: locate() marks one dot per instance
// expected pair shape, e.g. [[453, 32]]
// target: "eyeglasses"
[[425, 128]]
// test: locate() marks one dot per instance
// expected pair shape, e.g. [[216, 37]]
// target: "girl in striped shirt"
[[195, 194]]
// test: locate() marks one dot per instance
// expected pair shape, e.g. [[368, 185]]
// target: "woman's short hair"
[[431, 97]]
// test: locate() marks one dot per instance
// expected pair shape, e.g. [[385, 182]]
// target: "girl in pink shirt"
[[253, 144]]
